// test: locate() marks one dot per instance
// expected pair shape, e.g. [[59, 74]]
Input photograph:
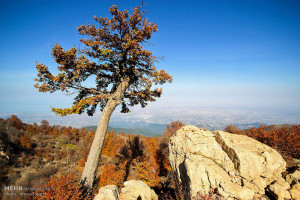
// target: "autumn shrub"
[[16, 122], [148, 168], [81, 163], [285, 139], [14, 135], [112, 175], [25, 141], [112, 144], [232, 129], [44, 123], [135, 160], [30, 129], [62, 187], [162, 155]]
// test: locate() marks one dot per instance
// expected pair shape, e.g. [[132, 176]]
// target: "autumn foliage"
[[25, 141], [63, 187], [285, 138], [124, 73], [16, 122], [112, 144], [162, 152], [136, 159], [118, 173], [114, 53], [125, 157]]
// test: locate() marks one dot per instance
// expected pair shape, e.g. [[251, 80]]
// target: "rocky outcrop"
[[235, 166], [132, 190], [109, 192]]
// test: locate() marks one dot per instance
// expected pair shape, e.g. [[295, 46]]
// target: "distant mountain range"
[[148, 130]]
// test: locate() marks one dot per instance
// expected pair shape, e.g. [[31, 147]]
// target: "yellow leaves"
[[164, 76], [105, 51], [79, 106], [161, 76], [113, 9]]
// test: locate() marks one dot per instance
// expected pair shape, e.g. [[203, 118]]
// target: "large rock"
[[109, 192], [137, 190], [234, 165]]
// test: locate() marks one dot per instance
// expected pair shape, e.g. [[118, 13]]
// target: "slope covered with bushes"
[[42, 158]]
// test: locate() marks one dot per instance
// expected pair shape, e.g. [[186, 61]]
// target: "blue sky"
[[220, 53]]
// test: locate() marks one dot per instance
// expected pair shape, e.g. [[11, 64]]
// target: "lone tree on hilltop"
[[124, 73]]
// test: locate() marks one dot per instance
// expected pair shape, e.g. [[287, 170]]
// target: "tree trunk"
[[91, 165]]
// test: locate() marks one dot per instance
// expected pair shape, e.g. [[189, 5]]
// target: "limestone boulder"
[[236, 166], [134, 190], [109, 192]]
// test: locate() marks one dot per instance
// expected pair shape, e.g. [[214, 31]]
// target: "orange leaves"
[[161, 77], [285, 139], [81, 164], [64, 58], [112, 175], [112, 144], [16, 122], [149, 169], [163, 153], [25, 141], [135, 160], [89, 137], [113, 52], [60, 187], [171, 129], [164, 76], [30, 129]]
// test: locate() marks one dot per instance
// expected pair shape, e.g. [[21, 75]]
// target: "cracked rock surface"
[[236, 166]]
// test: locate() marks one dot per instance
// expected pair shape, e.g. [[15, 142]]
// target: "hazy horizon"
[[209, 117], [232, 57]]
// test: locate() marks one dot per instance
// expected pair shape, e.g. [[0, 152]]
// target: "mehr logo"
[[13, 188]]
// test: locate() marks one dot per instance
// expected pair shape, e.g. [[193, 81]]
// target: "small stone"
[[109, 192], [134, 189]]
